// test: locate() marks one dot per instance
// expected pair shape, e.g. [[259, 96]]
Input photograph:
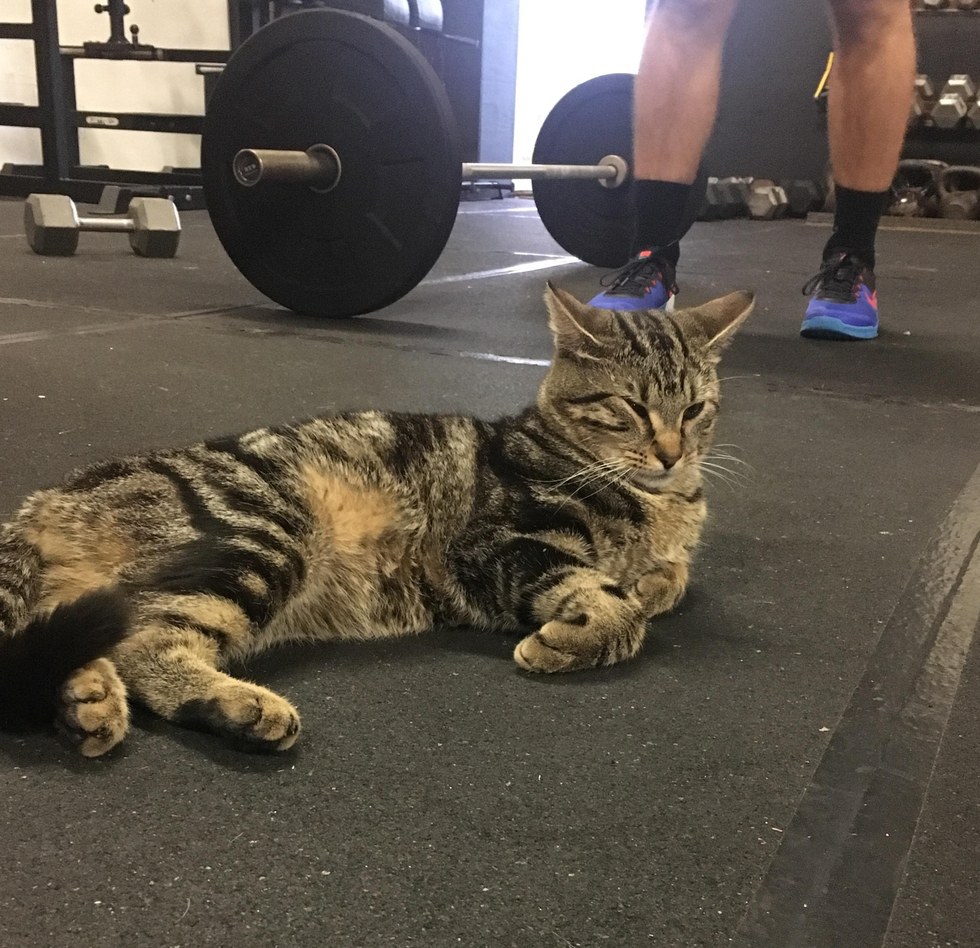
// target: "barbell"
[[332, 167], [319, 167]]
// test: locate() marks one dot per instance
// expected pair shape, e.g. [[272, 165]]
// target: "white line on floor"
[[512, 360], [504, 271]]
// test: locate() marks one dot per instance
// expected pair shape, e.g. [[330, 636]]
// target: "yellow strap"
[[823, 79]]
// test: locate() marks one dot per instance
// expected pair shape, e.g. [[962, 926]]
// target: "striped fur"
[[572, 522]]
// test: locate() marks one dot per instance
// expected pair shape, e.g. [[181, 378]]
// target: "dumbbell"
[[959, 191], [953, 102], [738, 190], [803, 196], [973, 114], [52, 225], [724, 198], [767, 200], [923, 101], [711, 204]]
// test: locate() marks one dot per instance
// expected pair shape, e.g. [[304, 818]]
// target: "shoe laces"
[[635, 277], [837, 278]]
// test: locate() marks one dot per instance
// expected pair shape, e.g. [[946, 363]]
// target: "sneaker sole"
[[829, 327], [668, 307]]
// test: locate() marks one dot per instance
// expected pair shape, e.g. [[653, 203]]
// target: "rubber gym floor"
[[792, 760]]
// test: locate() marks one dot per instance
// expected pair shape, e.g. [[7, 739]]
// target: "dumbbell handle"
[[107, 224], [319, 167]]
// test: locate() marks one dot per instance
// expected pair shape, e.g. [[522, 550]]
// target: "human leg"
[[675, 103], [869, 98]]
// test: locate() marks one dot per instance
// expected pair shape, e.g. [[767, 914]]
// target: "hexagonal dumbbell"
[[738, 190], [804, 197], [52, 225], [953, 102], [767, 200], [973, 114], [724, 199], [923, 101], [711, 209]]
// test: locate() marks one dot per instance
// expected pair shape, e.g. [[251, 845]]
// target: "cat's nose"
[[667, 448]]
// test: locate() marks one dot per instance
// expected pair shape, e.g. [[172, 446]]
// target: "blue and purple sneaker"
[[845, 303], [646, 282]]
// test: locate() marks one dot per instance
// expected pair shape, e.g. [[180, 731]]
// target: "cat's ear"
[[713, 324], [576, 326]]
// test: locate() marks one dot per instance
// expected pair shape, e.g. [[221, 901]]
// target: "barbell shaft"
[[596, 172], [319, 167]]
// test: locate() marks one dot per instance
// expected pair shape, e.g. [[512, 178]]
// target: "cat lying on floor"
[[573, 521]]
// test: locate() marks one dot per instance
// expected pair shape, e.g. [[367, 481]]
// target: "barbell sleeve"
[[319, 167]]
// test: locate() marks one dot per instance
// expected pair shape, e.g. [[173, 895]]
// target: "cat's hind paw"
[[93, 711]]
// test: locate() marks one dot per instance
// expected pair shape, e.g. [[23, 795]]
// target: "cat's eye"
[[640, 410], [692, 411]]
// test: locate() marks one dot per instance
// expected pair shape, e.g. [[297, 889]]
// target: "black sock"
[[856, 220], [661, 208]]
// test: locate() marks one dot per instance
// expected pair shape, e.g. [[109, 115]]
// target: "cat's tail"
[[21, 569], [35, 660]]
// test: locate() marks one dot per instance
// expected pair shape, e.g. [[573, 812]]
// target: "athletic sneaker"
[[646, 282], [844, 304]]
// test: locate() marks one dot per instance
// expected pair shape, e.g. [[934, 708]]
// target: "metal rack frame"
[[58, 117]]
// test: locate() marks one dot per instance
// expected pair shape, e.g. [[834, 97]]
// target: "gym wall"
[[768, 125]]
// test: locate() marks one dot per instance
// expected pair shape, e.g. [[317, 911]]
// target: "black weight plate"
[[592, 222], [340, 79]]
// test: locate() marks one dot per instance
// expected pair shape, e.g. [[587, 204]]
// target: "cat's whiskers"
[[596, 476], [623, 474], [724, 459], [732, 478], [616, 468], [727, 454], [723, 456], [589, 472]]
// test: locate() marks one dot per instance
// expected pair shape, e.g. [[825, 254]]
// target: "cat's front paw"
[[93, 711], [249, 715], [661, 589], [559, 647]]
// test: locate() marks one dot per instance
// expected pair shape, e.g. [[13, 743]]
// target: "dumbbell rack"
[[58, 119], [948, 43]]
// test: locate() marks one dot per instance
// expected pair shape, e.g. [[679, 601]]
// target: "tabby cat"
[[140, 578]]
